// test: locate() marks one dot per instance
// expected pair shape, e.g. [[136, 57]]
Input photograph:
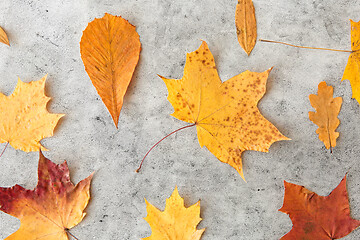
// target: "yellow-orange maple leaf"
[[3, 37], [52, 208], [110, 49], [352, 70], [245, 22], [327, 109], [176, 222], [227, 119], [24, 120]]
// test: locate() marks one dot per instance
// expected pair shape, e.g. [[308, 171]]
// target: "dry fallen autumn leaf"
[[327, 109], [52, 208], [352, 70], [24, 120], [110, 49], [176, 222], [226, 116], [3, 37], [318, 217], [245, 22]]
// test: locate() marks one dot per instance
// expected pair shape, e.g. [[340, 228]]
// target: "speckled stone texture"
[[45, 38]]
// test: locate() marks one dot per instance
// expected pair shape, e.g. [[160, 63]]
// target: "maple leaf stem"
[[142, 161], [71, 234], [4, 149], [288, 44]]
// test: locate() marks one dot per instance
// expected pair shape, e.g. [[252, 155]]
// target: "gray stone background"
[[45, 39]]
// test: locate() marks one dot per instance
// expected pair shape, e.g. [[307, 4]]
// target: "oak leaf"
[[3, 37], [352, 70], [52, 208], [327, 109], [110, 49], [226, 116], [176, 222], [24, 120], [318, 217], [245, 22]]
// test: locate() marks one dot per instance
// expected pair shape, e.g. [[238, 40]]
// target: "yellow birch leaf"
[[24, 119], [352, 70], [327, 109], [3, 37], [110, 49], [226, 116], [245, 22], [176, 222]]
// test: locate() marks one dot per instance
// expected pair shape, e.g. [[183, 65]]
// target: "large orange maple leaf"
[[318, 217], [226, 116], [52, 208]]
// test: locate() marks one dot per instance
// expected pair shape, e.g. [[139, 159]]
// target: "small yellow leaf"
[[24, 119], [352, 70], [245, 22], [176, 222], [3, 37], [327, 109]]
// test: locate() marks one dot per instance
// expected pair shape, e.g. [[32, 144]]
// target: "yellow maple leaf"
[[24, 119], [327, 109], [352, 70], [176, 222], [226, 116], [52, 208]]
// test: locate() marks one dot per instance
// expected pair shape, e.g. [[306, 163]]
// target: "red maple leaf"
[[318, 217]]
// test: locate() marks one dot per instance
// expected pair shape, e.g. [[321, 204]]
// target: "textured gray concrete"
[[45, 38]]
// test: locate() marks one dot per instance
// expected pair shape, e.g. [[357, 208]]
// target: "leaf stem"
[[142, 161], [328, 130], [4, 149], [292, 45], [68, 231]]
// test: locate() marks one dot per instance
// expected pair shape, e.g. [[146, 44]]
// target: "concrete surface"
[[45, 38]]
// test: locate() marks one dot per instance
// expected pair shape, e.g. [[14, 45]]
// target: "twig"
[[68, 231], [4, 149], [142, 161], [292, 45]]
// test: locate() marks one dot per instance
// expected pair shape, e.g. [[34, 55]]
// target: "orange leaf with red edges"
[[52, 208], [318, 217]]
